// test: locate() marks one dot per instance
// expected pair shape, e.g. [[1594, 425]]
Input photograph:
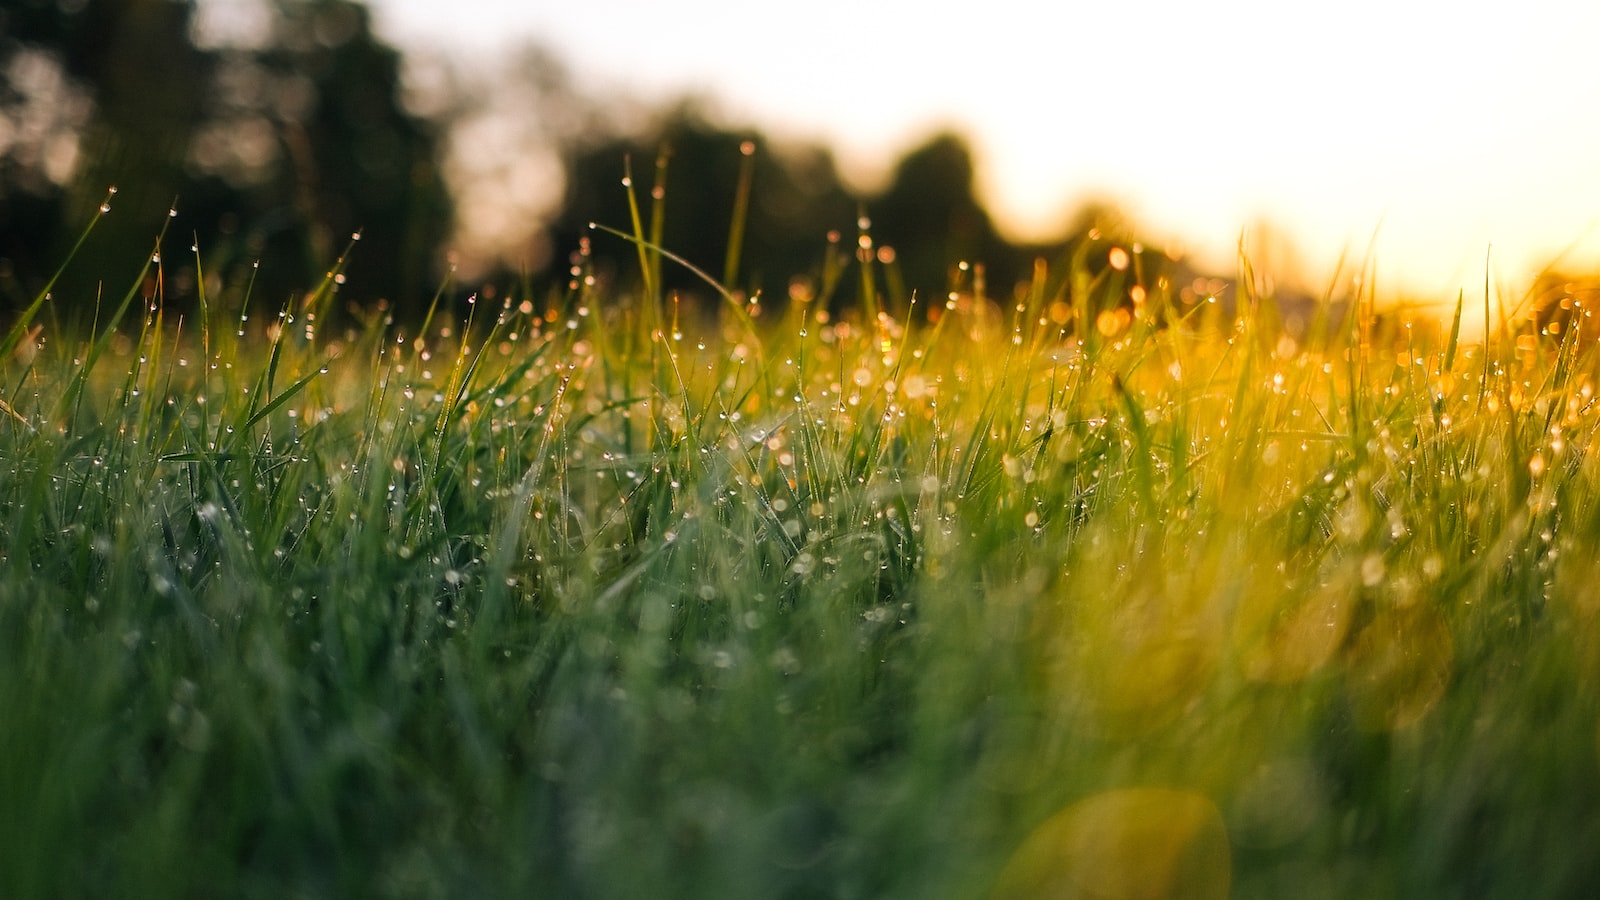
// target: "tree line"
[[274, 147]]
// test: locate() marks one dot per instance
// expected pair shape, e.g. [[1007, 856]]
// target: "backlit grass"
[[590, 595]]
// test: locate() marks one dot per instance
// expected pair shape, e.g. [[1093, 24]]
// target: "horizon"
[[1431, 140]]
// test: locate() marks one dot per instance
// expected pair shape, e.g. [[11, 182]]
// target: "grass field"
[[587, 595]]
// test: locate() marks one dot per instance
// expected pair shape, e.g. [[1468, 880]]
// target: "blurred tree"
[[281, 137], [277, 147], [98, 92], [923, 224], [796, 199], [350, 156], [41, 113], [931, 216]]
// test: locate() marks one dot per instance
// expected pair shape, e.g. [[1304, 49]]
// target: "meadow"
[[592, 593]]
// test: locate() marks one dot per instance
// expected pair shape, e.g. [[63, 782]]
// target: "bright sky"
[[1437, 128]]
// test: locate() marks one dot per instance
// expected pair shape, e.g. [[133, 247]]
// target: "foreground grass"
[[579, 601]]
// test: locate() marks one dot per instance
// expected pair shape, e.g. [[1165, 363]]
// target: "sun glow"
[[1419, 134]]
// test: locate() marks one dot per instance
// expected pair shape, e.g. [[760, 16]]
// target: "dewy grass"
[[575, 598]]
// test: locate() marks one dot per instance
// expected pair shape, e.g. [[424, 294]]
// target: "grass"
[[588, 596]]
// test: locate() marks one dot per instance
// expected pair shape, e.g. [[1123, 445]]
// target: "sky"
[[1431, 135]]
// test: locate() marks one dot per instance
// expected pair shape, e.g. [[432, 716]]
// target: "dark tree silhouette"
[[796, 199], [275, 151], [138, 83], [278, 148], [351, 157], [930, 214]]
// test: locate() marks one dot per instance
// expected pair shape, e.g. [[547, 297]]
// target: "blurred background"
[[481, 136]]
